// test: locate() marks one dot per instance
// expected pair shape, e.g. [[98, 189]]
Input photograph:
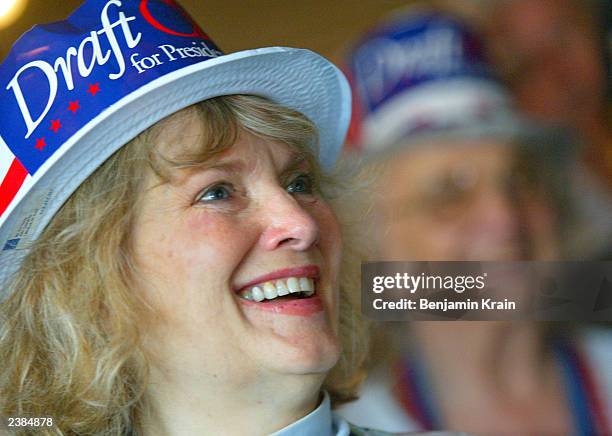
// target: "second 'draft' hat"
[[423, 75], [73, 92]]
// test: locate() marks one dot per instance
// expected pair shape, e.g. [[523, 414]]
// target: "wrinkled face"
[[241, 262], [460, 201]]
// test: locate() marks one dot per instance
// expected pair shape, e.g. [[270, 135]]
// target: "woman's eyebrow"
[[297, 160], [186, 174], [226, 165]]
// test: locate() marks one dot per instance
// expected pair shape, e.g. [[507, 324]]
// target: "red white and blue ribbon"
[[587, 409]]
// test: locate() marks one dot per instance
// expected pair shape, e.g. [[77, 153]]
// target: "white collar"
[[320, 421]]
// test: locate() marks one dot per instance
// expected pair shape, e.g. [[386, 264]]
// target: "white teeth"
[[270, 291], [258, 294], [293, 284], [306, 284], [281, 288]]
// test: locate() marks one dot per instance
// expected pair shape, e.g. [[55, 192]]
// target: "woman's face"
[[462, 200], [246, 226]]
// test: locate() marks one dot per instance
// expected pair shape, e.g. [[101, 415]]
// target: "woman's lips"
[[297, 306], [290, 291]]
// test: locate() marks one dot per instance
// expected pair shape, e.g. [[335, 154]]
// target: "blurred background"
[[324, 26], [320, 25], [460, 199]]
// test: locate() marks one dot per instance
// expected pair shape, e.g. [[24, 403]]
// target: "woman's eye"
[[215, 193], [301, 184]]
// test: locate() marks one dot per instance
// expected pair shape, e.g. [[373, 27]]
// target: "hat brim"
[[552, 143], [295, 78]]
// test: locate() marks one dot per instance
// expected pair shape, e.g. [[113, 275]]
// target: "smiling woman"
[[130, 312], [173, 258]]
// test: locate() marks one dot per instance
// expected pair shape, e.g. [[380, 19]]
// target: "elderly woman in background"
[[185, 271], [460, 176]]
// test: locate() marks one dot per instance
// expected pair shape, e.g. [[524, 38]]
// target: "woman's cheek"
[[331, 239], [209, 224], [331, 226], [218, 239]]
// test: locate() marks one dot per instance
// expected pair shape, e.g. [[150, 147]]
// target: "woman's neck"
[[188, 405]]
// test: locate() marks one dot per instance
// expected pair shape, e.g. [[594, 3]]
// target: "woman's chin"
[[293, 344], [307, 360], [313, 355]]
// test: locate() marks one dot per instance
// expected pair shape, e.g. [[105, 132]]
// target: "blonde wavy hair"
[[70, 332]]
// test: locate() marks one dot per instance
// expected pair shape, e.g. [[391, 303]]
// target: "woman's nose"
[[496, 213], [287, 224]]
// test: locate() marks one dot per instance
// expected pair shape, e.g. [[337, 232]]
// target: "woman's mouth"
[[286, 288], [290, 291]]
